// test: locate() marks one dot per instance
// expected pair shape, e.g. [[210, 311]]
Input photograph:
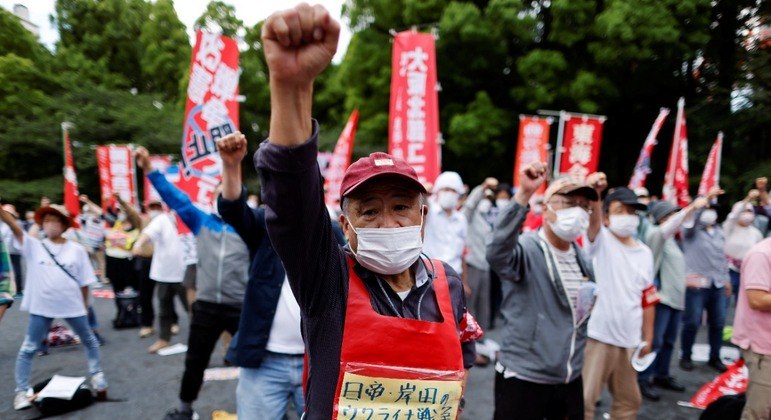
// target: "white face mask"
[[570, 224], [484, 205], [708, 217], [121, 217], [154, 213], [388, 251], [53, 229], [746, 218], [624, 225], [501, 202], [447, 200]]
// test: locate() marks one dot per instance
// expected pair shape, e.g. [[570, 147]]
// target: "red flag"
[[531, 145], [211, 113], [643, 166], [676, 179], [116, 174], [71, 200], [581, 145], [413, 121], [711, 176], [732, 381], [341, 159]]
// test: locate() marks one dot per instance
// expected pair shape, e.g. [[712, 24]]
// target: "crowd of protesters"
[[398, 285]]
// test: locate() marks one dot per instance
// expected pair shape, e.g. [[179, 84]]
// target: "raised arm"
[[299, 44], [131, 213], [248, 222], [9, 220], [171, 195], [599, 182], [504, 252], [476, 196], [93, 208], [670, 227]]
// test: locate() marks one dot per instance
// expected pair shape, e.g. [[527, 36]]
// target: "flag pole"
[[558, 150]]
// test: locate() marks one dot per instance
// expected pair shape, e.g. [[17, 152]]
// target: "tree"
[[166, 50], [105, 32], [220, 17]]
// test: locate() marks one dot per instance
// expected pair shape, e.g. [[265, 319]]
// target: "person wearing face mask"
[[118, 241], [446, 227], [377, 317], [57, 287], [740, 236], [480, 209], [542, 273], [623, 316], [669, 266], [221, 276], [708, 284]]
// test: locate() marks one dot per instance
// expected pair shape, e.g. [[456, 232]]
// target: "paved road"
[[147, 385]]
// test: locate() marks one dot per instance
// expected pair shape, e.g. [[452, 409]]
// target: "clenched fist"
[[299, 43], [232, 148]]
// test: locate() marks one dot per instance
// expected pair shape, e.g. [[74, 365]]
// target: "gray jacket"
[[540, 340]]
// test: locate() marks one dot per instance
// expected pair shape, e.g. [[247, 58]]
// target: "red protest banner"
[[413, 120], [710, 178], [71, 200], [116, 174], [676, 179], [643, 166], [211, 113], [731, 382], [341, 159], [532, 144], [581, 145]]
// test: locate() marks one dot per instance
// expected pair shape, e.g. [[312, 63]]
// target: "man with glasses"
[[542, 275], [624, 312]]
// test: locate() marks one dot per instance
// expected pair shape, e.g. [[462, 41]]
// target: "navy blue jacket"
[[266, 276]]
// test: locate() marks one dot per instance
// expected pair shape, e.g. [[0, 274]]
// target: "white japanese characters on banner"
[[581, 146], [116, 174], [414, 115], [211, 113]]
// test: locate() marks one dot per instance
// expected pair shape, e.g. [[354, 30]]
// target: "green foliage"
[[166, 51], [119, 73], [220, 17]]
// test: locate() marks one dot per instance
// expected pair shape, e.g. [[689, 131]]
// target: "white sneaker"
[[99, 385], [21, 400]]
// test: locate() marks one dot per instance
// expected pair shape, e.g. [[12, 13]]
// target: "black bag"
[[727, 407], [128, 310], [56, 406]]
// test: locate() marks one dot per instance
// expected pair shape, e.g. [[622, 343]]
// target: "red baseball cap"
[[375, 165]]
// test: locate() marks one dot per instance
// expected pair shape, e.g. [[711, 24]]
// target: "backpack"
[[727, 407], [56, 406], [128, 311]]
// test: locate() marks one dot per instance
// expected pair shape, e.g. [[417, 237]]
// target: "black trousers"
[[523, 400], [208, 322], [16, 264], [121, 273], [167, 314], [146, 290]]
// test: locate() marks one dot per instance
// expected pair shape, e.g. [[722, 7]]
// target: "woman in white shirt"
[[59, 272], [740, 236]]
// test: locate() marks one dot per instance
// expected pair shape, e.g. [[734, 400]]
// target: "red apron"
[[395, 368]]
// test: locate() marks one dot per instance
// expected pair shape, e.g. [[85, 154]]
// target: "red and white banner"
[[210, 114], [413, 120], [643, 166], [341, 159], [676, 179], [710, 178], [532, 145], [731, 382], [71, 195], [117, 174], [161, 163], [581, 142]]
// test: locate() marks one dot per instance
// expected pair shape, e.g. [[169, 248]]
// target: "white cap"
[[449, 180]]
